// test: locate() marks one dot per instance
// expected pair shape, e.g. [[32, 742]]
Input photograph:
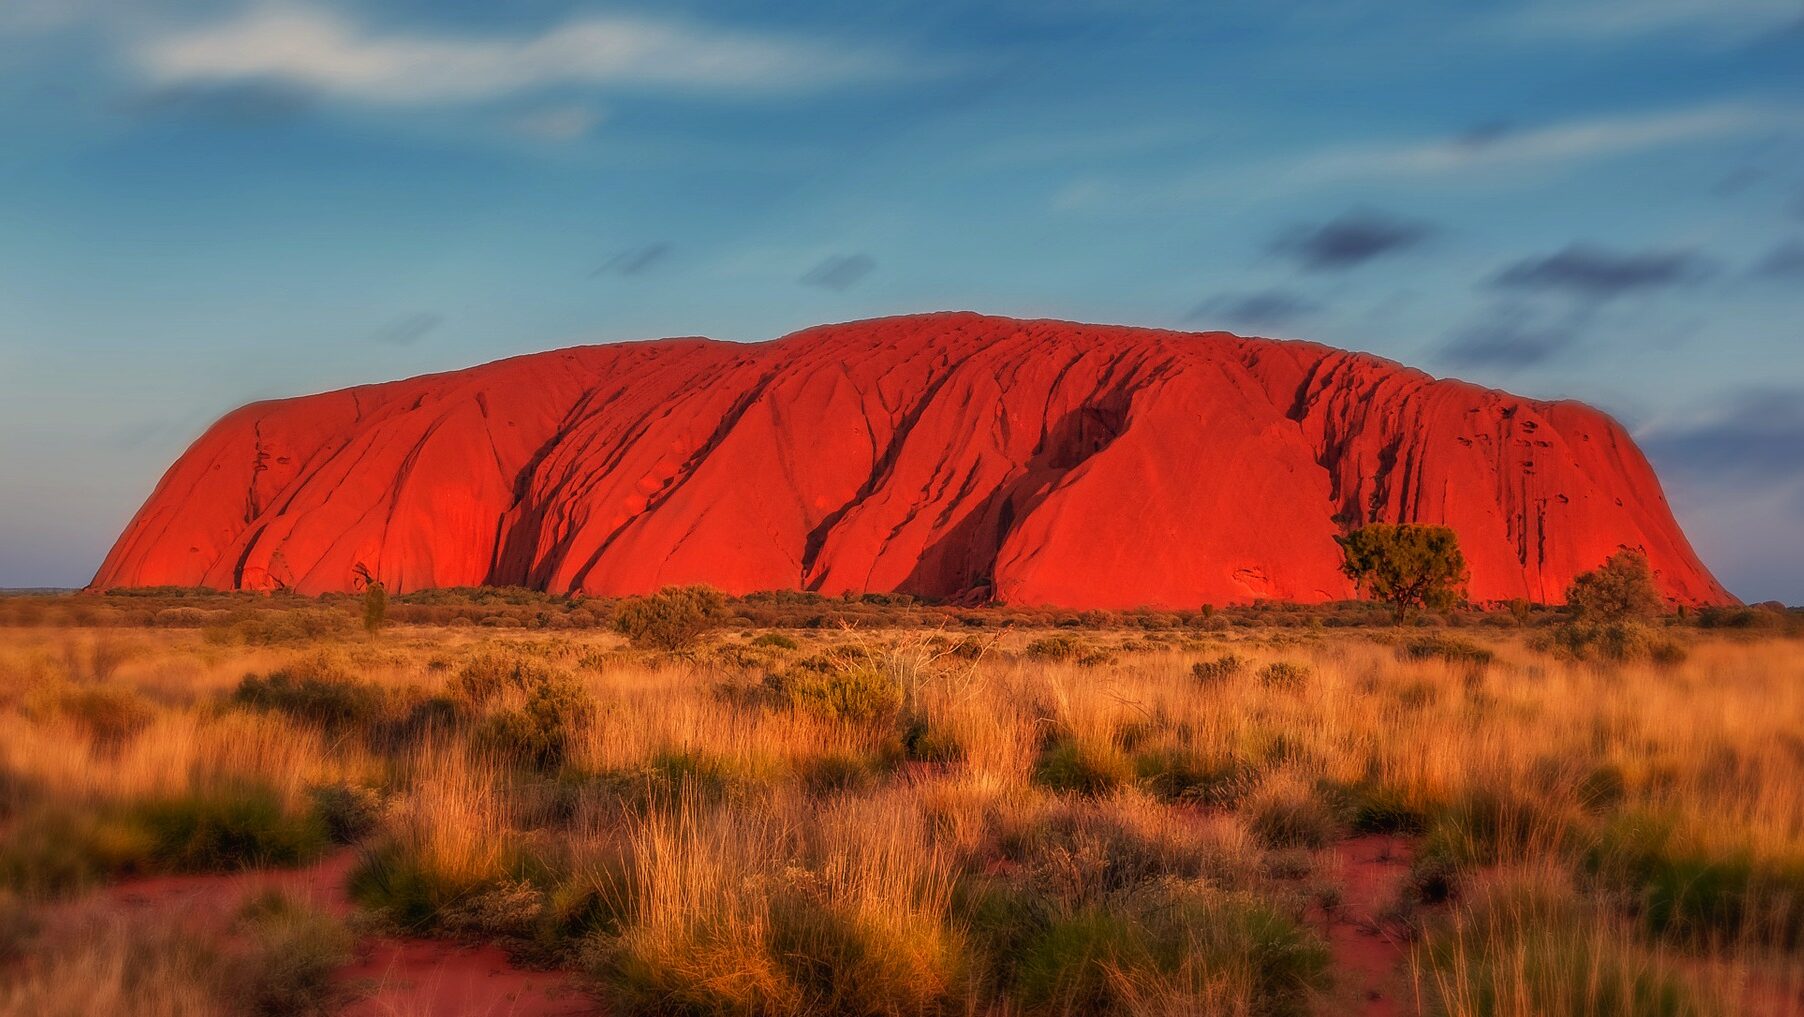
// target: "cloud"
[[1594, 273], [1785, 261], [1711, 21], [234, 104], [633, 261], [1353, 238], [840, 272], [319, 50], [1509, 336], [1757, 434], [1500, 145], [1486, 153], [558, 123], [1261, 308], [411, 329]]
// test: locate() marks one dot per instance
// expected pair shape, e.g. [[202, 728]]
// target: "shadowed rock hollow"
[[944, 455]]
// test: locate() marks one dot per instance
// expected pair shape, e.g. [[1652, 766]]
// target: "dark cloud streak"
[[840, 272], [1510, 336], [411, 329], [1757, 435], [1259, 308], [1785, 261], [1596, 273], [1350, 240], [634, 261]]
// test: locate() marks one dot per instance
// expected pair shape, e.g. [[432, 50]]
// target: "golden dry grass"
[[704, 847]]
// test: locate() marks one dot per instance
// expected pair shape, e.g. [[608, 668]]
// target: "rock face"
[[952, 456]]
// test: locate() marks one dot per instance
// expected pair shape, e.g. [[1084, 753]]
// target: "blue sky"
[[204, 202]]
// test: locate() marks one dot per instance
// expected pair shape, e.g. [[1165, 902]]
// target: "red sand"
[[391, 977], [1368, 958], [952, 456]]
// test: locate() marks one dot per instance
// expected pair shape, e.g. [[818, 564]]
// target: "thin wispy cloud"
[[1711, 21], [840, 272], [633, 261], [411, 329], [1466, 157], [322, 50], [1502, 147], [1510, 336], [1257, 309], [558, 123], [1785, 261]]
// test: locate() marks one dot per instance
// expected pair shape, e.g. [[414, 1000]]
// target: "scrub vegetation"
[[801, 805]]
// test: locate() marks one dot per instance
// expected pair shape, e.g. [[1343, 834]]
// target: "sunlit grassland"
[[935, 820]]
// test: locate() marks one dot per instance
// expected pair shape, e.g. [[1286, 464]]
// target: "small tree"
[[1610, 607], [1619, 590], [1406, 565], [375, 607], [671, 619]]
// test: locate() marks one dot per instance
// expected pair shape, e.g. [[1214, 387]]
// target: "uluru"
[[951, 456]]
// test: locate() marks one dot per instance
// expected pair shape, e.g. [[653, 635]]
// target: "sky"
[[208, 202]]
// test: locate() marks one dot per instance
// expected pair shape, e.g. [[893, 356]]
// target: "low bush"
[[108, 714], [1283, 674], [675, 618], [1218, 669], [848, 687], [1525, 942], [1451, 649], [1173, 949], [317, 690], [1072, 765], [1688, 893], [521, 709], [349, 811], [1059, 647], [1283, 810], [230, 827], [293, 952]]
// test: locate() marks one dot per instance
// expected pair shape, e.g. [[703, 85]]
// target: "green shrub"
[[836, 772], [1177, 949], [1217, 670], [1283, 811], [538, 733], [290, 625], [226, 828], [315, 690], [1451, 649], [110, 715], [1058, 647], [1380, 808], [674, 618], [1527, 945], [294, 952], [56, 848], [1071, 765], [923, 742], [1689, 894], [1283, 674], [844, 687], [404, 889], [349, 811]]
